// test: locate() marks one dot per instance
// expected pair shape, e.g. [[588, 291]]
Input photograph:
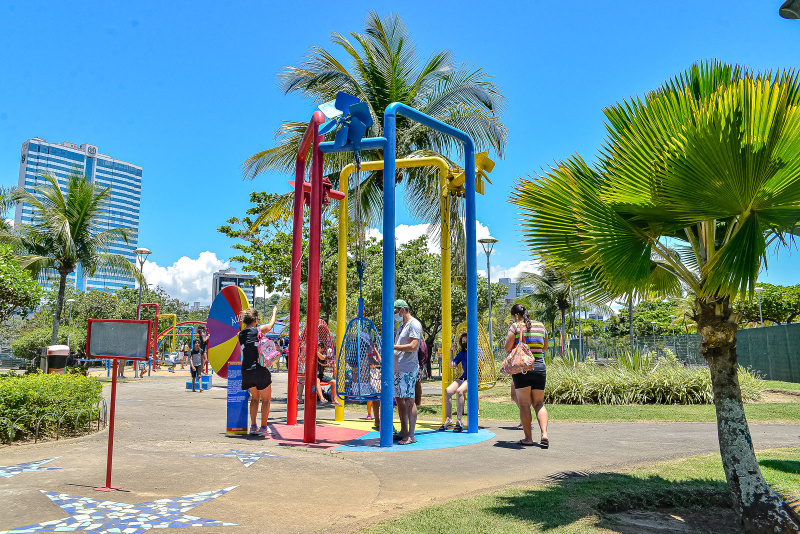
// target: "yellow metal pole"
[[341, 284], [444, 206]]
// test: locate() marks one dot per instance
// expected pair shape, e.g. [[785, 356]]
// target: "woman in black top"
[[255, 378]]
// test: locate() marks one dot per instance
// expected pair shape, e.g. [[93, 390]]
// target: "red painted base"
[[108, 488], [327, 437]]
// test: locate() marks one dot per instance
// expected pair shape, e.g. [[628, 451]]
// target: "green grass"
[[777, 384], [575, 504]]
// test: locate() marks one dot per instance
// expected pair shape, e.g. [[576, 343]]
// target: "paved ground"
[[161, 428]]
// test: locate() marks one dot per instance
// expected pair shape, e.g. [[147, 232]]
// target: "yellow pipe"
[[341, 289], [444, 207], [341, 296]]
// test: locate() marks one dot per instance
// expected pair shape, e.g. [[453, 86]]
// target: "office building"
[[228, 277], [515, 290], [122, 207]]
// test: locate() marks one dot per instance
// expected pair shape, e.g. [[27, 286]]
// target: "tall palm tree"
[[384, 67], [696, 182], [553, 287], [5, 206], [63, 234]]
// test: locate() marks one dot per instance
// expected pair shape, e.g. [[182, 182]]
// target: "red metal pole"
[[312, 316], [297, 255], [108, 486]]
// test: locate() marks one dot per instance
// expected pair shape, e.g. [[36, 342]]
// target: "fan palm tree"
[[696, 182], [64, 234], [384, 67]]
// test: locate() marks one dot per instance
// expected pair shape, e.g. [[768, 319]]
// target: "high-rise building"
[[515, 290], [228, 277], [122, 207]]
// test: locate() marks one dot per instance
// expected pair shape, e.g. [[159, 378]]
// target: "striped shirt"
[[534, 336]]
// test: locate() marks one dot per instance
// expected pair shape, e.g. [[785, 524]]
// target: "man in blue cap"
[[406, 369]]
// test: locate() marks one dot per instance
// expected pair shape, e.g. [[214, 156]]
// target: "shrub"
[[29, 345], [37, 394], [666, 381]]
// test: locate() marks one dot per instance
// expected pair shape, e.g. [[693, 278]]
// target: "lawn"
[[580, 503], [777, 384]]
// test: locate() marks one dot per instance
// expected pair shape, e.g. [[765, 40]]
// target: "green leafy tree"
[[19, 293], [696, 181], [63, 235], [779, 304], [644, 313], [382, 67]]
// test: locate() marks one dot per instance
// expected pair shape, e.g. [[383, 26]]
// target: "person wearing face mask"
[[406, 369], [459, 385]]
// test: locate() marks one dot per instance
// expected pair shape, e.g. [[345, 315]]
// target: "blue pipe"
[[387, 331], [387, 302]]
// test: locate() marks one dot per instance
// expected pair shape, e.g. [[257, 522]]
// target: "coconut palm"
[[696, 182], [551, 288], [5, 206], [383, 67], [64, 234]]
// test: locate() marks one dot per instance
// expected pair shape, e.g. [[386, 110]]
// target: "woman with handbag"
[[526, 342]]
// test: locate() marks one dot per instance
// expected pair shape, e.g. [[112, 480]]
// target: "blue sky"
[[189, 91]]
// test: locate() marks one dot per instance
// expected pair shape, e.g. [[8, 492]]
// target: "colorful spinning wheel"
[[223, 328]]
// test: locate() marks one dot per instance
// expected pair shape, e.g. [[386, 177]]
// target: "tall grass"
[[637, 379]]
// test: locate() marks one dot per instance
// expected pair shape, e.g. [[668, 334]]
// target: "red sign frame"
[[89, 337]]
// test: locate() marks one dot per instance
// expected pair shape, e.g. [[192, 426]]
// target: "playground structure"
[[451, 182], [349, 139]]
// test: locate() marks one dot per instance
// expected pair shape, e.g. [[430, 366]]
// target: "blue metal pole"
[[387, 304], [472, 289]]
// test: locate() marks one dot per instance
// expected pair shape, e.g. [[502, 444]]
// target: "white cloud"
[[525, 266], [187, 279], [408, 232]]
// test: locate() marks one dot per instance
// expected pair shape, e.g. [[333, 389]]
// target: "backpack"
[[268, 353]]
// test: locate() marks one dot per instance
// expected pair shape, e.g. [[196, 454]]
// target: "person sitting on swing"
[[458, 387], [322, 359]]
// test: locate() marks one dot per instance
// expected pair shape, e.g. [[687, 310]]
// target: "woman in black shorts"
[[255, 378], [529, 387]]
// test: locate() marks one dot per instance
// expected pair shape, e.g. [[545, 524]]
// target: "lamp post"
[[141, 255], [69, 329], [760, 314], [580, 330], [488, 246]]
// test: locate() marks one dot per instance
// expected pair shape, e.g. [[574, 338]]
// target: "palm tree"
[[553, 287], [696, 182], [384, 67], [64, 234], [5, 205]]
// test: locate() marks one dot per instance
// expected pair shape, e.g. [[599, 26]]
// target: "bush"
[[666, 381], [29, 345], [37, 394]]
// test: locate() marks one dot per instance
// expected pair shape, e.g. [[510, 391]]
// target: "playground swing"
[[358, 367], [324, 337], [487, 369]]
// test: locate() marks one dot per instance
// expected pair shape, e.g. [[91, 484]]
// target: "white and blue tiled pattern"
[[109, 517], [246, 457], [11, 470]]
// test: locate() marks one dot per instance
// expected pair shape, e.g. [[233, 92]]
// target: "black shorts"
[[324, 378], [259, 378], [196, 371], [534, 379]]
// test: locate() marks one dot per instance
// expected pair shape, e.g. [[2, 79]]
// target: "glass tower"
[[122, 206]]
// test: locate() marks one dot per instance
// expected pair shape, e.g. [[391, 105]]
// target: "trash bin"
[[57, 358]]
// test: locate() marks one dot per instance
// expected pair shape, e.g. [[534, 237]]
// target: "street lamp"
[[141, 255], [69, 330], [790, 9], [654, 330], [488, 246], [760, 314]]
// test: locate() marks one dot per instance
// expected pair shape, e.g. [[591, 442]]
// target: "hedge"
[[37, 394]]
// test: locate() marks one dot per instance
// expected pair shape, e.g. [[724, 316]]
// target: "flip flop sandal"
[[522, 442], [445, 426], [406, 441], [544, 443], [458, 428]]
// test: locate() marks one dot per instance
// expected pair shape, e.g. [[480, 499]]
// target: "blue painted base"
[[206, 382], [426, 440]]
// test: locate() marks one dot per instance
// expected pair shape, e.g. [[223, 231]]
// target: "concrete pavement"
[[161, 428]]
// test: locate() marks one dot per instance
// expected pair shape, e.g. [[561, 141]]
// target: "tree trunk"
[[759, 509], [563, 334], [630, 318], [62, 286]]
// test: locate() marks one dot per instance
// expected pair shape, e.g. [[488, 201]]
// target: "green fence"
[[773, 351]]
